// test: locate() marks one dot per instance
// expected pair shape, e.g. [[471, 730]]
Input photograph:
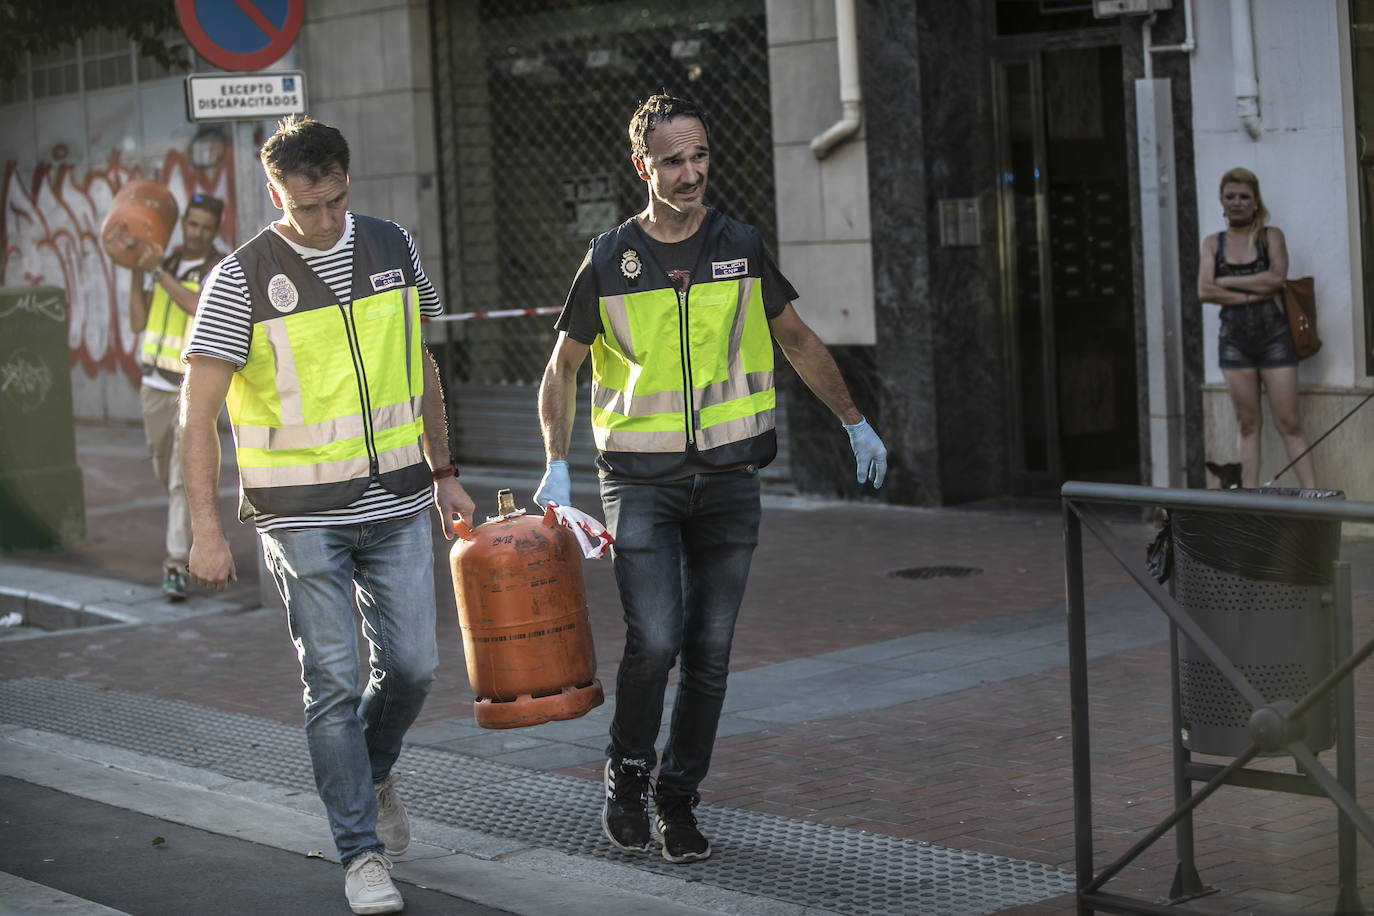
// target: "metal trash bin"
[[1254, 584], [41, 501]]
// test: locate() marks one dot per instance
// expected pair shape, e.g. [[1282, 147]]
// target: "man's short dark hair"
[[305, 147], [212, 205], [653, 112]]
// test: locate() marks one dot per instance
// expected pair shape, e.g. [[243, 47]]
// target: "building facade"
[[1001, 249]]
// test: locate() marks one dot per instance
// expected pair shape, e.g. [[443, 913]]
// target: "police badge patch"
[[387, 279], [631, 265], [723, 270], [281, 292]]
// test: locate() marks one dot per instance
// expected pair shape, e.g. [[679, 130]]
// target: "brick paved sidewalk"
[[984, 768]]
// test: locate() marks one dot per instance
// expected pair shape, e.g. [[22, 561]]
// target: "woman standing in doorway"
[[1243, 269]]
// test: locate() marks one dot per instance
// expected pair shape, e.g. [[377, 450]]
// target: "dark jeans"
[[681, 557]]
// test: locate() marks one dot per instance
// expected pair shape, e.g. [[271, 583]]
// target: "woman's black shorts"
[[1255, 336]]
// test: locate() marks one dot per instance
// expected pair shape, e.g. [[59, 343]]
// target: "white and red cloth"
[[592, 536]]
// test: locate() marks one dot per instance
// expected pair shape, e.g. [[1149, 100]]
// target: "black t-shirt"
[[581, 316]]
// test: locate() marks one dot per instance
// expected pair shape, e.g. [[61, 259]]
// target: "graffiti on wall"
[[50, 236]]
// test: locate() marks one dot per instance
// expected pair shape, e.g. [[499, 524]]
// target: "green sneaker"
[[174, 583]]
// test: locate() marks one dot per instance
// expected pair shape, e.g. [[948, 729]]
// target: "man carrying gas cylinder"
[[162, 299], [679, 307], [311, 331]]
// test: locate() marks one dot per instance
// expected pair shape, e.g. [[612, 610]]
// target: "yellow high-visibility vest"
[[329, 399], [670, 371], [164, 335]]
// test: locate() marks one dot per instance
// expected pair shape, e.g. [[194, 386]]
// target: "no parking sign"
[[241, 35]]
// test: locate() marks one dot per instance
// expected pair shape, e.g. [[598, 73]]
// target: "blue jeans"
[[681, 557], [386, 571]]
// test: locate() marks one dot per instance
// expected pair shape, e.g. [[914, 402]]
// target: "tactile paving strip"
[[840, 870]]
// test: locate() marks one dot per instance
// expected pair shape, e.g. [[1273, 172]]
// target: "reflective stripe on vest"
[[164, 336], [638, 378], [330, 396]]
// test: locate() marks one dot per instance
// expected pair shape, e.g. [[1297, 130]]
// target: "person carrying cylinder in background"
[[679, 307], [162, 298]]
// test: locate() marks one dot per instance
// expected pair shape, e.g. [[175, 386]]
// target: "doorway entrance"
[[1068, 296]]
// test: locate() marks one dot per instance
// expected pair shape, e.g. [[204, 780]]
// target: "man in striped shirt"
[[311, 334]]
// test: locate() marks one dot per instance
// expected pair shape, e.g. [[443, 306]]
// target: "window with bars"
[[106, 60], [535, 97], [55, 73], [149, 69], [15, 90], [102, 59]]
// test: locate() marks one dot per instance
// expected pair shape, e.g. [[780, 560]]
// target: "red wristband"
[[447, 470]]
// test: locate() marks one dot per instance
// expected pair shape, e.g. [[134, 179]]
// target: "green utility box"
[[41, 502]]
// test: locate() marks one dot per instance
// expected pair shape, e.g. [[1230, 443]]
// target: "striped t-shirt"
[[224, 326]]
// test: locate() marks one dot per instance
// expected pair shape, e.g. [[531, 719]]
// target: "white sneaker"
[[393, 824], [368, 885]]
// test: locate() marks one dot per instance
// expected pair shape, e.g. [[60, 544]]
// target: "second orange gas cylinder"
[[523, 611], [142, 214]]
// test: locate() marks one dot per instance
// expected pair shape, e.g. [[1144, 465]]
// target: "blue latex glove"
[[555, 487], [869, 453]]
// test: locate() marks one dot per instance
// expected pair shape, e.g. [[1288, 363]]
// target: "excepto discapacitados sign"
[[244, 96]]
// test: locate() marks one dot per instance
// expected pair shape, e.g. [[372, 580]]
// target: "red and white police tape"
[[500, 313]]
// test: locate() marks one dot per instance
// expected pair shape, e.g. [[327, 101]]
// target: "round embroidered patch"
[[630, 264], [281, 292]]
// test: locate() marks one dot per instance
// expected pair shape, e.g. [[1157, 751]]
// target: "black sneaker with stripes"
[[625, 816], [677, 824]]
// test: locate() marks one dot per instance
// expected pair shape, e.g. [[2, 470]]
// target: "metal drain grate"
[[794, 861], [935, 572]]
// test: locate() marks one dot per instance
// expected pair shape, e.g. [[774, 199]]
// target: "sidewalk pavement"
[[895, 740]]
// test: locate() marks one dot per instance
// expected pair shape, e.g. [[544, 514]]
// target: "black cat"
[[1227, 475]]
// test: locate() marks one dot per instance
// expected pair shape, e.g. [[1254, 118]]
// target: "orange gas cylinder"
[[142, 214], [523, 610]]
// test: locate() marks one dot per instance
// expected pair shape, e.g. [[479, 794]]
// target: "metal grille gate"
[[532, 101]]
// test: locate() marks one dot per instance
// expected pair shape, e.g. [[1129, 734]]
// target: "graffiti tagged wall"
[[51, 236], [64, 154]]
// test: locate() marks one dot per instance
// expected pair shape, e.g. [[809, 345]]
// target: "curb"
[[523, 880]]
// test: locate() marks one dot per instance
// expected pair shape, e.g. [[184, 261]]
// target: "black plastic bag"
[[1270, 548], [1159, 556]]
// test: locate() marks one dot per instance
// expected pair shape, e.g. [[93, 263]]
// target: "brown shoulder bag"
[[1300, 304]]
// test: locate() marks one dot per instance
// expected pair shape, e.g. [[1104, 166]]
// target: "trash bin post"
[[1187, 883], [1278, 714], [1343, 645], [1078, 703]]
